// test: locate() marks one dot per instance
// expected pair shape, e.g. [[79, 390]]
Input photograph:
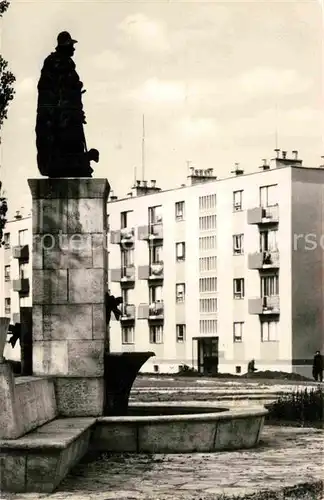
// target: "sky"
[[217, 82]]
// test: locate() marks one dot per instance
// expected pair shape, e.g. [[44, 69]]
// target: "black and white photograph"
[[161, 250]]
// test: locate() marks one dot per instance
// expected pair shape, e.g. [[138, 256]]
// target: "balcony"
[[263, 215], [127, 236], [127, 312], [127, 274], [263, 260], [20, 252], [115, 237], [21, 285], [152, 272], [152, 232], [123, 275], [265, 305], [153, 311], [156, 310]]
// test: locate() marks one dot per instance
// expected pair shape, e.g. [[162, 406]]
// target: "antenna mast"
[[143, 149], [276, 125]]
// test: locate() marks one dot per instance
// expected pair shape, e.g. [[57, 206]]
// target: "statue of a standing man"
[[60, 140]]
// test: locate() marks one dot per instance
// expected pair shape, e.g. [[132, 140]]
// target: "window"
[[207, 243], [208, 305], [7, 305], [180, 292], [6, 240], [238, 286], [22, 237], [180, 251], [269, 331], [156, 254], [128, 335], [156, 334], [238, 369], [237, 201], [125, 219], [208, 326], [208, 284], [269, 286], [127, 257], [155, 215], [268, 241], [207, 222], [208, 263], [180, 210], [155, 293], [181, 333], [207, 202], [269, 196], [7, 273], [23, 271], [238, 244], [238, 331]]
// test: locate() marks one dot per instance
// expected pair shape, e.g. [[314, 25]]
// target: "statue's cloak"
[[60, 138]]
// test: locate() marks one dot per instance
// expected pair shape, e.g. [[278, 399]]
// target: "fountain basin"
[[158, 428]]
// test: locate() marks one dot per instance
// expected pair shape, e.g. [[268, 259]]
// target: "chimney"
[[18, 215], [277, 151], [237, 170], [138, 183], [144, 184], [130, 194], [265, 165], [192, 170], [295, 155], [153, 183], [284, 155]]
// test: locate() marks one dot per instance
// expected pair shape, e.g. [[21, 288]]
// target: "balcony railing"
[[151, 232], [21, 285], [115, 237], [265, 305], [156, 310], [152, 272], [125, 274], [152, 311], [127, 312], [263, 215], [263, 260], [20, 252]]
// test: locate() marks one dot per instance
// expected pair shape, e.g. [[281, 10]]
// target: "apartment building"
[[15, 272], [212, 274], [219, 272]]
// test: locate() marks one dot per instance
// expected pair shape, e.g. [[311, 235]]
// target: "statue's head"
[[65, 43]]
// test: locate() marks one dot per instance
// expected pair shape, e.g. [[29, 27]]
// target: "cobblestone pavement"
[[285, 457]]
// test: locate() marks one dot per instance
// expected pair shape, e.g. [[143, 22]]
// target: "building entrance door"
[[208, 355]]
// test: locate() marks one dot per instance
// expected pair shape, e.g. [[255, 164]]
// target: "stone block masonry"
[[69, 284]]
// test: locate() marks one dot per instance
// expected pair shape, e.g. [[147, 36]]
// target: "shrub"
[[300, 406]]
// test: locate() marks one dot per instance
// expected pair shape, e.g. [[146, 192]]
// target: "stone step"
[[40, 460]]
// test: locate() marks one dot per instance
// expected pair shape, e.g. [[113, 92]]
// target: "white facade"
[[233, 273], [268, 313]]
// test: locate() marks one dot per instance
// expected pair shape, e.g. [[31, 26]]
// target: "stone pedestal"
[[69, 286]]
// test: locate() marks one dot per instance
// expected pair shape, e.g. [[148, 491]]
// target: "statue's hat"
[[64, 38]]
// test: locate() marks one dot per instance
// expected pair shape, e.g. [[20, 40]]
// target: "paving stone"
[[286, 457]]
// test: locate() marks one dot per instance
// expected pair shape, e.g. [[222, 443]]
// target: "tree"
[[7, 92]]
